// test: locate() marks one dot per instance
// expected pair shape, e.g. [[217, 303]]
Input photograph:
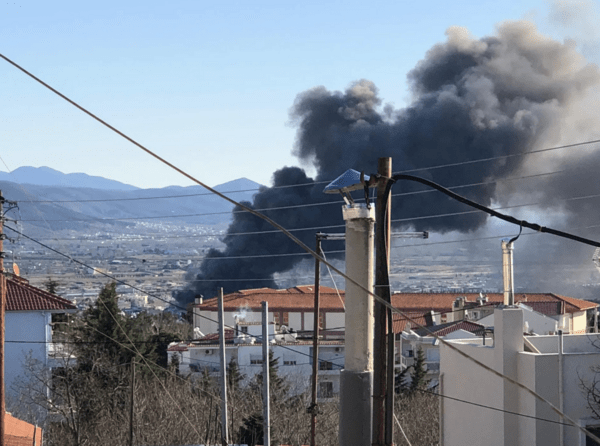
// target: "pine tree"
[[401, 381], [278, 386], [51, 285], [234, 376], [418, 375], [251, 432]]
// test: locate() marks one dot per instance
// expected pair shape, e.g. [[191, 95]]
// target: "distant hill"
[[45, 176], [58, 207]]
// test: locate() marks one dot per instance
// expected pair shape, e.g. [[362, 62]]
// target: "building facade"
[[479, 407]]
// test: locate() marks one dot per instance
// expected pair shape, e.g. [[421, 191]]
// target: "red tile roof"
[[442, 302], [214, 337], [20, 296], [413, 319], [451, 327], [302, 298], [20, 433], [290, 299]]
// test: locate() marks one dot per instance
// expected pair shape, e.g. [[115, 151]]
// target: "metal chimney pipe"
[[507, 271]]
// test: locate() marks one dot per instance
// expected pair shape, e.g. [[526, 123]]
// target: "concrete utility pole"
[[223, 360], [266, 396], [382, 409], [356, 379], [2, 310]]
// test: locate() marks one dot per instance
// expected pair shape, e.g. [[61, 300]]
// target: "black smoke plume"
[[473, 99]]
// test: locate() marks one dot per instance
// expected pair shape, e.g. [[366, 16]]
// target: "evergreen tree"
[[400, 381], [418, 375], [278, 386], [51, 285], [234, 376], [251, 431]]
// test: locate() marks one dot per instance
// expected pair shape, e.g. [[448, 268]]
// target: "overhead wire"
[[103, 273], [316, 256], [418, 169], [484, 406], [403, 194]]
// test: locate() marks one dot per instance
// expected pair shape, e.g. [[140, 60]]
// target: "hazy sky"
[[208, 85]]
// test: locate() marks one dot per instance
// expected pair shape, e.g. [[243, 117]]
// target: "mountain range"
[[53, 200], [46, 176]]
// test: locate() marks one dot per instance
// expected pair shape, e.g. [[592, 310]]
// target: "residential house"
[[292, 307], [535, 322], [243, 345], [479, 407], [30, 321], [572, 315], [410, 340]]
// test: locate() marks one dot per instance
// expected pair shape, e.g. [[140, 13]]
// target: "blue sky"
[[207, 85]]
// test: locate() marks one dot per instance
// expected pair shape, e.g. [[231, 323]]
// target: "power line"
[[134, 287], [529, 152], [317, 257], [493, 408], [492, 212], [482, 183]]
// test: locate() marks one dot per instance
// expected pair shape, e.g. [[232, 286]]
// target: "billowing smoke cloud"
[[472, 99]]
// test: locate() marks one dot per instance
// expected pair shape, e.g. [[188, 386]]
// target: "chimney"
[[196, 319], [507, 272]]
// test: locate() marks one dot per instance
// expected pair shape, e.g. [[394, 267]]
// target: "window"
[[286, 318], [321, 321], [325, 390], [444, 318], [594, 430], [289, 360], [325, 365], [244, 329], [256, 359]]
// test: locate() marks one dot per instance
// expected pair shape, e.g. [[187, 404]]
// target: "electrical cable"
[[333, 280], [137, 288], [317, 257], [493, 408], [402, 430], [494, 158], [404, 315], [403, 194], [487, 210]]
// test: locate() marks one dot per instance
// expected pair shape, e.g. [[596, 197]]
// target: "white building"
[[514, 417], [572, 315], [294, 357], [29, 327], [535, 322], [410, 340], [292, 307]]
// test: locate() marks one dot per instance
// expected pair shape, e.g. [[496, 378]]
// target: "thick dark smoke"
[[472, 99]]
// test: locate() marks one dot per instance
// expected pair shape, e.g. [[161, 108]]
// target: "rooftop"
[[290, 299], [20, 296], [302, 298], [546, 303]]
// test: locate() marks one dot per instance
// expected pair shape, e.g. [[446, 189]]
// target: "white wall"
[[468, 424], [538, 323], [335, 320], [297, 371], [33, 331]]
